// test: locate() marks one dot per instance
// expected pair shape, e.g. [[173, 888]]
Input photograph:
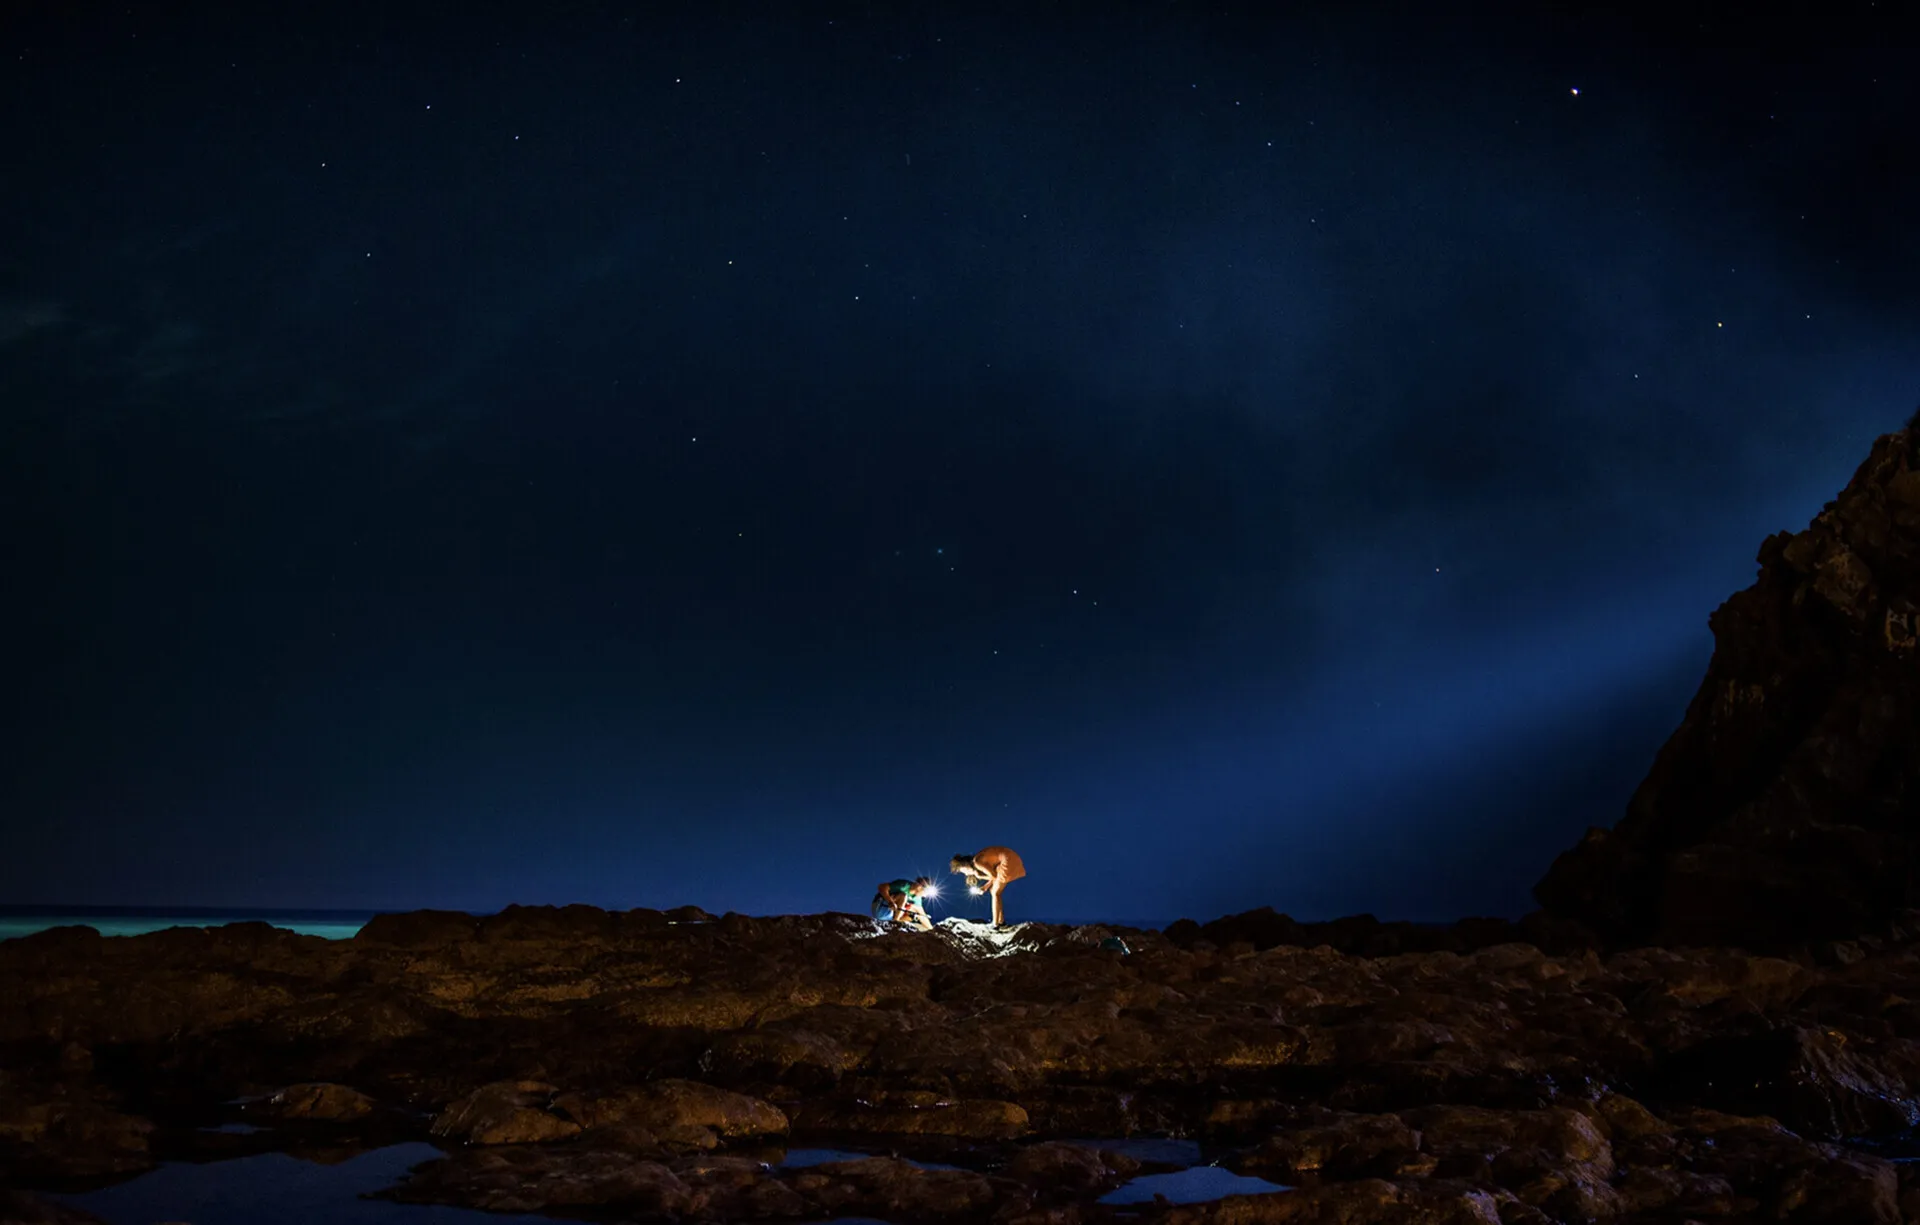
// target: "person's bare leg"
[[999, 915]]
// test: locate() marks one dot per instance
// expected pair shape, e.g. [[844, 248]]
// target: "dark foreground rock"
[[19, 1208], [647, 1068], [1786, 808], [324, 1102], [1366, 936]]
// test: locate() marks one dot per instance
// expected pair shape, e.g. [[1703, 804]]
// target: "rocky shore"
[[1716, 1017], [651, 1065]]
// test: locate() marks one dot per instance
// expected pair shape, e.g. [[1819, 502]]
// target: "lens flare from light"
[[975, 890]]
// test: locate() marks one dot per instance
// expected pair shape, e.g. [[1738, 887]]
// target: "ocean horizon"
[[333, 924], [17, 921]]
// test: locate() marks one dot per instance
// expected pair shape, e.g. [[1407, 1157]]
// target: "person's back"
[[1003, 863], [989, 870]]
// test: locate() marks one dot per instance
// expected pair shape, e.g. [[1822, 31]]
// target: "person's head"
[[960, 863], [922, 883]]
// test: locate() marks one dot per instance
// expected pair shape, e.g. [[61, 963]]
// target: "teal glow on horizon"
[[14, 926]]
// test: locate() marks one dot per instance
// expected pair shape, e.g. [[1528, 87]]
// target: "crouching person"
[[906, 902]]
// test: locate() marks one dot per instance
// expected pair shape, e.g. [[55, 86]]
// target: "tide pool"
[[1195, 1186], [280, 1188]]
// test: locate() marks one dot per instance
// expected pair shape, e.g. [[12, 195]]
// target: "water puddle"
[[800, 1158], [1194, 1186], [282, 1189], [289, 1190], [1900, 1147], [1149, 1150]]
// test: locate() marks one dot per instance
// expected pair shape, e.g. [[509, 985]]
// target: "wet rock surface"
[[646, 1068], [676, 1106], [506, 1112], [325, 1102]]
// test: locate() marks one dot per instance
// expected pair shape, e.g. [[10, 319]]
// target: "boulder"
[[1340, 1147], [896, 1190], [418, 928], [72, 1138], [911, 1113], [1812, 1079], [794, 1056], [664, 1105], [506, 1112], [1368, 1201], [538, 1179], [1074, 1168], [325, 1102], [1557, 1159], [1652, 1189], [1848, 1189]]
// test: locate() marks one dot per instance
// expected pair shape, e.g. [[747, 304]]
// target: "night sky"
[[465, 455]]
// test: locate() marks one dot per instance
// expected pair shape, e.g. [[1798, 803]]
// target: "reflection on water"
[[1195, 1186], [278, 1188], [800, 1158], [1149, 1150], [1898, 1146]]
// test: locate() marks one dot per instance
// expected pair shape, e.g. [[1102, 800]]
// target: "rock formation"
[[1787, 805], [648, 1068]]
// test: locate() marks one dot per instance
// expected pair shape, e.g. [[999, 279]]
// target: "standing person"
[[990, 871], [906, 899]]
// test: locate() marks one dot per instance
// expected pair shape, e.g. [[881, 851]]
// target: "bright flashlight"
[[930, 893], [975, 890]]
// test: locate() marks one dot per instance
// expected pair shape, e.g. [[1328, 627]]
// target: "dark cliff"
[[1786, 807]]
